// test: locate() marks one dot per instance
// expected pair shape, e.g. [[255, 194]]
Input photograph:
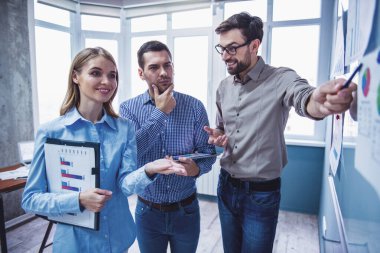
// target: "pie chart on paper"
[[366, 80]]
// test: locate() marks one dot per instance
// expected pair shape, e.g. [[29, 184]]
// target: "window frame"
[[216, 70], [323, 70]]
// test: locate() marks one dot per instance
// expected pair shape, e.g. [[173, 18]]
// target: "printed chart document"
[[73, 166], [367, 153], [337, 140]]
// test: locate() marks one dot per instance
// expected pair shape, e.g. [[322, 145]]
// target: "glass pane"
[[139, 86], [110, 46], [150, 23], [184, 59], [302, 56], [298, 125], [299, 54], [52, 71], [296, 9], [101, 24], [256, 8], [51, 14], [190, 19]]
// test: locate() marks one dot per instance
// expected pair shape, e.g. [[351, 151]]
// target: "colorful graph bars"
[[66, 186]]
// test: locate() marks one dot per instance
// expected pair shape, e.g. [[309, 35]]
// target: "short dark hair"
[[150, 46], [250, 26]]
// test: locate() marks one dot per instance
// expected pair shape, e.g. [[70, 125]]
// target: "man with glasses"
[[252, 110], [167, 123]]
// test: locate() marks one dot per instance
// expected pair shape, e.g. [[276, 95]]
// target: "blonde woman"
[[87, 115]]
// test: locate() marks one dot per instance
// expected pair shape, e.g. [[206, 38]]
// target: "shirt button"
[[238, 131], [163, 151], [105, 217], [105, 236], [237, 114], [235, 146]]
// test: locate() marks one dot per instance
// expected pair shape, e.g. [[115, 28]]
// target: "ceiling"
[[136, 3]]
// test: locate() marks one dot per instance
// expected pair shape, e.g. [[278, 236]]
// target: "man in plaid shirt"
[[167, 123]]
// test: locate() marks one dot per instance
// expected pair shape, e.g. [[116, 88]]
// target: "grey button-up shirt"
[[253, 114]]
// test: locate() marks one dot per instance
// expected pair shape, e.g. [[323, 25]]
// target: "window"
[[149, 23], [101, 24], [53, 57], [192, 19], [296, 9], [52, 71], [189, 33], [290, 52], [51, 14], [256, 8], [191, 66]]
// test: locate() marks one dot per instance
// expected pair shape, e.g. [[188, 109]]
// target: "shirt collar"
[[72, 116], [253, 74], [146, 98]]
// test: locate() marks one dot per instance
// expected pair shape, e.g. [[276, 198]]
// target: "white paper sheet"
[[68, 169], [367, 154], [336, 145]]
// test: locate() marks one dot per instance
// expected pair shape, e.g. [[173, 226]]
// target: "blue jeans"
[[156, 229], [248, 218]]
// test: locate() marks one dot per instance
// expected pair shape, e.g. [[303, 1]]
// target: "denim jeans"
[[156, 229], [248, 218]]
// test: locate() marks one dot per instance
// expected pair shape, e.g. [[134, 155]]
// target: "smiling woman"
[[93, 82], [87, 116]]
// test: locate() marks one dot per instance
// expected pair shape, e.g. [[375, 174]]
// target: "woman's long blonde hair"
[[72, 97]]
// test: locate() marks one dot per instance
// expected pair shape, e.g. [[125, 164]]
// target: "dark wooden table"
[[7, 186]]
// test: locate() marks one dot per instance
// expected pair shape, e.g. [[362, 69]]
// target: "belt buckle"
[[168, 207]]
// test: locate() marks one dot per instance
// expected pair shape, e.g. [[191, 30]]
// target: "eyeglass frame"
[[234, 47]]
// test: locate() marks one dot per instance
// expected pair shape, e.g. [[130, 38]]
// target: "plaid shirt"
[[158, 135]]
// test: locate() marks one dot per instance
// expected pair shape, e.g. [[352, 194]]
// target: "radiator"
[[208, 182]]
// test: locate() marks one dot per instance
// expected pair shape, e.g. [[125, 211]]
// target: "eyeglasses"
[[231, 50]]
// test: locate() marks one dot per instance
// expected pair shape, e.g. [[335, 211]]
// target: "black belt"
[[170, 206], [261, 186]]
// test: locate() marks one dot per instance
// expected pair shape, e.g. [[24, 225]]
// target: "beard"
[[241, 65]]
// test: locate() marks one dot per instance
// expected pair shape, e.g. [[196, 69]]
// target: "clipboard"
[[73, 166]]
